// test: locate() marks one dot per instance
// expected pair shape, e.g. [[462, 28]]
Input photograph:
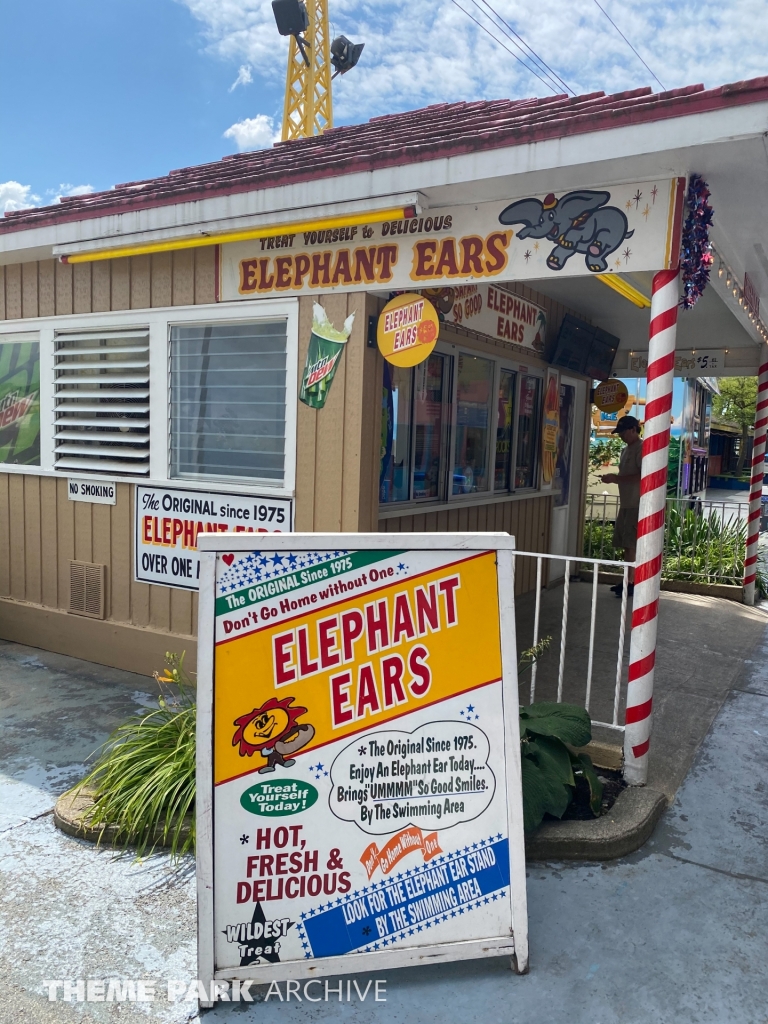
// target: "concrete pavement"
[[674, 932]]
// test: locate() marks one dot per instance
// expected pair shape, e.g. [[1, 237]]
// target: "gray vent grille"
[[87, 589], [102, 402]]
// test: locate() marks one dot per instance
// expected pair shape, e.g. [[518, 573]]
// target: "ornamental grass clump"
[[143, 783]]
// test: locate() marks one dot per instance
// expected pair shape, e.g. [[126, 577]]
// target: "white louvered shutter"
[[102, 401]]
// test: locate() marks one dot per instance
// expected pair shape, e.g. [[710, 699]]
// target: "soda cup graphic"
[[326, 345]]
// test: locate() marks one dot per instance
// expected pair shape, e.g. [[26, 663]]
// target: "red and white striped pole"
[[650, 527], [756, 487]]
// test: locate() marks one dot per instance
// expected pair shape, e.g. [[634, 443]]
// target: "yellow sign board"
[[408, 329], [363, 737], [610, 395]]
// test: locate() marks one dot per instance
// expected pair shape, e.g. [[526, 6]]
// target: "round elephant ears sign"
[[611, 395], [407, 331]]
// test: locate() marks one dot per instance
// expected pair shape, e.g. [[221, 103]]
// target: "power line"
[[629, 44], [542, 63], [530, 70]]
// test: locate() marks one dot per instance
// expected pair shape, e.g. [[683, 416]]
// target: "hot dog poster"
[[360, 792]]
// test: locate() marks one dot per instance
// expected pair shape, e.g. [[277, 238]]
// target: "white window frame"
[[411, 506], [159, 322]]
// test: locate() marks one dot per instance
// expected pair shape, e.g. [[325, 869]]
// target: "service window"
[[505, 427], [528, 431], [430, 421], [474, 387], [228, 400]]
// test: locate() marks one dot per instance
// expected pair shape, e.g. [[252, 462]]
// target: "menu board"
[[364, 771]]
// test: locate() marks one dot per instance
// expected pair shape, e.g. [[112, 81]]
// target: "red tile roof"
[[442, 130]]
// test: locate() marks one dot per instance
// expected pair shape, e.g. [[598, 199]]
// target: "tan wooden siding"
[[526, 519], [41, 530], [50, 288], [330, 458]]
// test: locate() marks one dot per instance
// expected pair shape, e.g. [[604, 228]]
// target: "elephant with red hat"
[[578, 222]]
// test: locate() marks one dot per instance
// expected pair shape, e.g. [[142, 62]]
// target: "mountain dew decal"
[[20, 403]]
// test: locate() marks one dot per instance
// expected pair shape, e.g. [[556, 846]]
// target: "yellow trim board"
[[343, 220], [625, 290]]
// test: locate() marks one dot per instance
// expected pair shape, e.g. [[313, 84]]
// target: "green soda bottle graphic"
[[325, 347]]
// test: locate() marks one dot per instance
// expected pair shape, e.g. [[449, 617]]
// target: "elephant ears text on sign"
[[581, 232]]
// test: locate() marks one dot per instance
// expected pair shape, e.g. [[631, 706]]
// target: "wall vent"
[[87, 589], [102, 401]]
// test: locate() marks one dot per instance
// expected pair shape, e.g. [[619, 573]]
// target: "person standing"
[[628, 480]]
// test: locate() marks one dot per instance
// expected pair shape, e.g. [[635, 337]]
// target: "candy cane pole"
[[756, 488], [650, 528]]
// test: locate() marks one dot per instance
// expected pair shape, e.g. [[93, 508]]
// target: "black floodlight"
[[344, 54], [292, 19]]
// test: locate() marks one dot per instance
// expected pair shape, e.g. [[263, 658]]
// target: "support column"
[[650, 530], [756, 486]]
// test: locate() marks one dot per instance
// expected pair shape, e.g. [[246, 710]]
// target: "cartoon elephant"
[[579, 222]]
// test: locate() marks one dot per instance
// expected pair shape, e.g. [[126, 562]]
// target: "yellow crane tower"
[[308, 106]]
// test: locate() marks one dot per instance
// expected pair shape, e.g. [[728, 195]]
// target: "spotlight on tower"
[[292, 19], [344, 54]]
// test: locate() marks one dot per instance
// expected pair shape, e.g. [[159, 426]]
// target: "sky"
[[98, 92]]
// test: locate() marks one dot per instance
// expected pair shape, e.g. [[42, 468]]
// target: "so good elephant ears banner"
[[578, 233]]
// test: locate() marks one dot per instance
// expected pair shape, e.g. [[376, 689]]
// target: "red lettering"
[[378, 626], [341, 709], [307, 667], [496, 248], [386, 257], [248, 270], [403, 624], [301, 269], [341, 271], [283, 267], [284, 670], [448, 587], [146, 529], [321, 265], [367, 692], [265, 283], [446, 264], [329, 651], [392, 670], [427, 610], [364, 265], [351, 629], [424, 256], [471, 250], [422, 677]]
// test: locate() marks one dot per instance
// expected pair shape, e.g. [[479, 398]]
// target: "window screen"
[[227, 403]]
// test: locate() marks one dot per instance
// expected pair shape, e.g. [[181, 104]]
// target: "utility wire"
[[542, 63], [529, 69], [628, 43]]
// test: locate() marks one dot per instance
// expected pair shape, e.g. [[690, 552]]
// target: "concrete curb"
[[68, 814], [624, 829]]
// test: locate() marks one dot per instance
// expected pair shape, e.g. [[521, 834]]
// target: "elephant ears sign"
[[581, 232], [358, 755]]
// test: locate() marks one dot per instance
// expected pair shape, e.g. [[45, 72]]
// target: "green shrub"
[[144, 779], [604, 452], [549, 768], [598, 541]]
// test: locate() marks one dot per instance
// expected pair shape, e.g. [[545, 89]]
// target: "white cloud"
[[66, 189], [254, 133], [244, 77], [15, 196], [419, 52]]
